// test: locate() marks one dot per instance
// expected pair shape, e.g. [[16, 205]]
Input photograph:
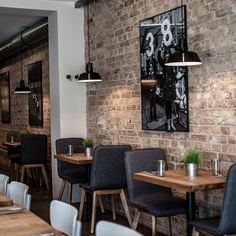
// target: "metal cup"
[[215, 167], [161, 168], [70, 150]]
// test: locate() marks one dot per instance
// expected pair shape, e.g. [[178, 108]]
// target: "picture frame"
[[35, 102], [5, 97], [164, 89]]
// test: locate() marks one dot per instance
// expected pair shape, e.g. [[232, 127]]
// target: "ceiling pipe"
[[30, 36]]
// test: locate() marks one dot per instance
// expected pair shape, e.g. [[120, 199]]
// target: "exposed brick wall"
[[19, 102], [114, 105]]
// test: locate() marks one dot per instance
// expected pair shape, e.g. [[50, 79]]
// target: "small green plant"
[[192, 156], [22, 132], [88, 143]]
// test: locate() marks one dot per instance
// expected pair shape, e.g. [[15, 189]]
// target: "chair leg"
[[70, 193], [93, 212], [100, 203], [137, 214], [154, 226], [170, 225], [63, 185], [22, 174], [195, 232], [45, 176], [113, 207], [81, 205], [126, 208]]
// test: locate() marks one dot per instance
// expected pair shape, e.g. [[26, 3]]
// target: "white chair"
[[106, 228], [18, 192], [4, 179], [63, 217]]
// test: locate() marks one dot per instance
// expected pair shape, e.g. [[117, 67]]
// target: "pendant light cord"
[[88, 37]]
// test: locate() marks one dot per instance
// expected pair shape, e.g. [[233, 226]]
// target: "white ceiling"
[[11, 23]]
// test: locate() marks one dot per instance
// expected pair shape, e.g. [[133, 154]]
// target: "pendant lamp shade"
[[89, 75], [185, 58], [22, 88]]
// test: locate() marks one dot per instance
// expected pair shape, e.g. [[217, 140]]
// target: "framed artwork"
[[164, 89], [35, 97], [5, 97]]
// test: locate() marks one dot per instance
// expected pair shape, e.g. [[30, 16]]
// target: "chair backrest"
[[106, 228], [18, 192], [108, 167], [227, 224], [143, 160], [4, 179], [63, 217], [62, 148], [34, 149]]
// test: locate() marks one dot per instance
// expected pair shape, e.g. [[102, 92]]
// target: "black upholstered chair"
[[107, 178], [225, 224], [70, 173], [153, 199], [34, 151]]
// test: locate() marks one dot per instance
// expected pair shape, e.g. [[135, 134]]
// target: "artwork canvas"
[[35, 97], [5, 97], [164, 89]]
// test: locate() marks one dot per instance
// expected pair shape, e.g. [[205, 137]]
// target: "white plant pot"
[[88, 152], [191, 169]]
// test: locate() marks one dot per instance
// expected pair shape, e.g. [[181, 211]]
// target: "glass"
[[215, 167], [12, 139], [161, 168], [70, 150]]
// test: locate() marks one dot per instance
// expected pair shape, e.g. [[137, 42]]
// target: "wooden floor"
[[40, 206]]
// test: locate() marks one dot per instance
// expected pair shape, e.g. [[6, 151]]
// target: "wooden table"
[[24, 224], [5, 201], [76, 158], [12, 144], [177, 179]]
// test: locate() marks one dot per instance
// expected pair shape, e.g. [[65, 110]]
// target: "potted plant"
[[192, 157], [88, 144]]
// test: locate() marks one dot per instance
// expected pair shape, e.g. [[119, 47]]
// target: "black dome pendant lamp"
[[183, 57], [89, 75], [22, 89]]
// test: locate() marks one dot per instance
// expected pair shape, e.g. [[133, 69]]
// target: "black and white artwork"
[[35, 97], [164, 89], [5, 97]]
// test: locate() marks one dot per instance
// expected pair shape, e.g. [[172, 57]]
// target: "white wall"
[[66, 56]]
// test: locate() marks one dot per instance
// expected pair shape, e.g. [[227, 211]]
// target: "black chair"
[[70, 173], [107, 178], [153, 199], [225, 224], [34, 149]]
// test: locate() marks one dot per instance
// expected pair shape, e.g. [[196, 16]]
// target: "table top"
[[12, 145], [5, 201], [177, 179], [76, 158], [24, 223]]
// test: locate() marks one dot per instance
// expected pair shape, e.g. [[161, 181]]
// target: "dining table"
[[177, 179], [79, 159], [5, 201], [21, 222]]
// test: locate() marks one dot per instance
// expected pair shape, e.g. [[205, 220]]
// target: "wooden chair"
[[33, 155], [225, 224], [70, 173], [107, 178], [153, 199]]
